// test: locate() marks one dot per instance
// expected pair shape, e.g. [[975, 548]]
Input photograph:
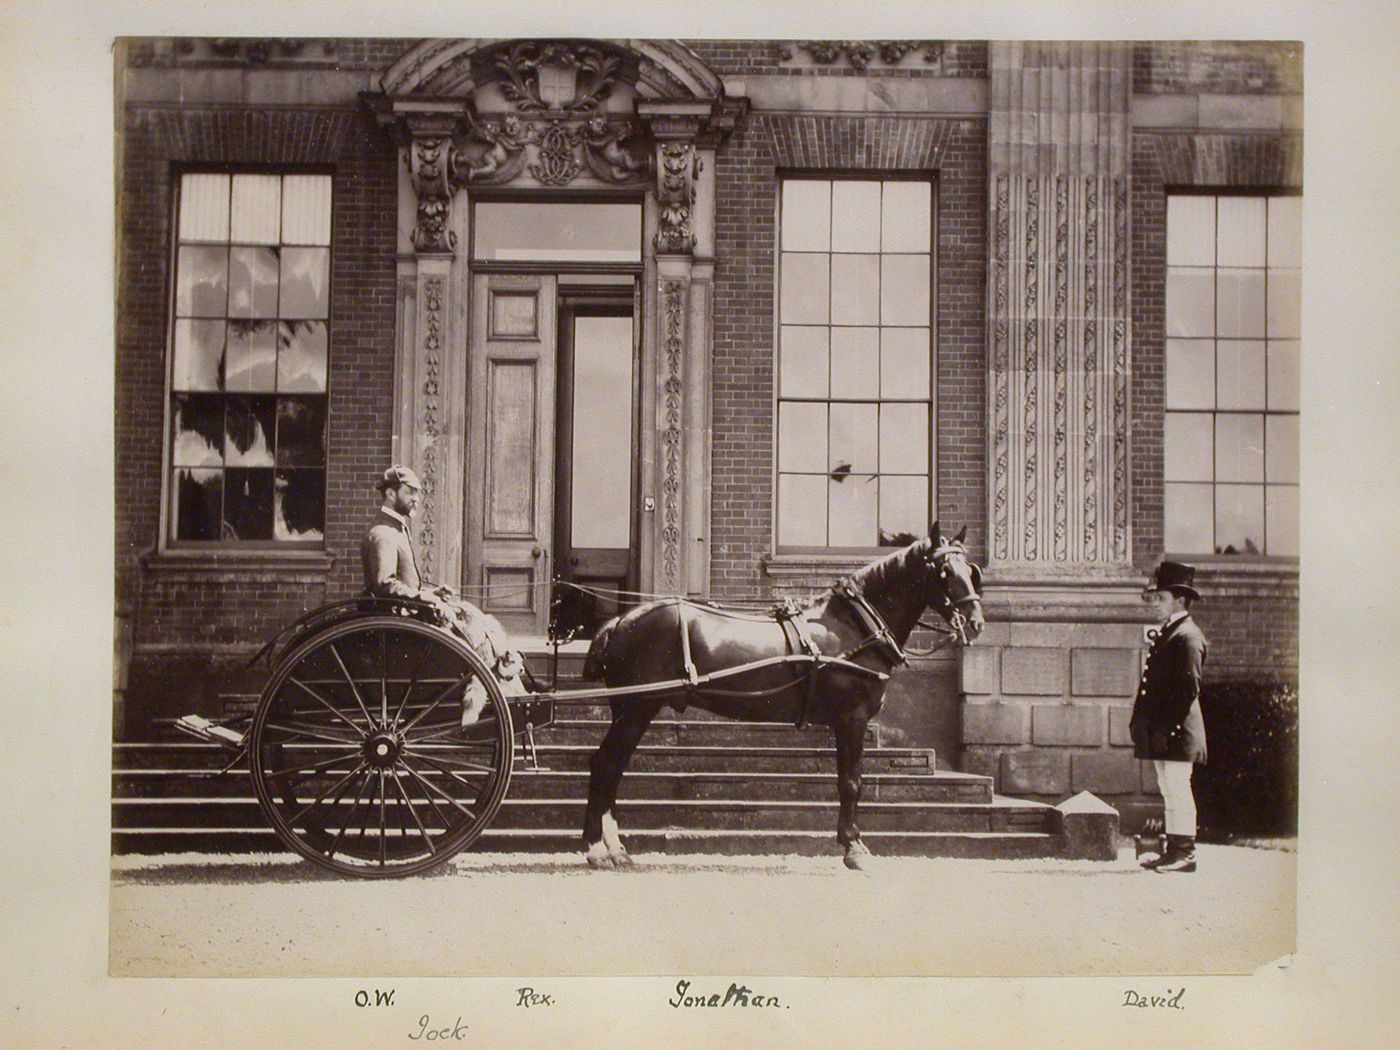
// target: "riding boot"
[[1180, 855]]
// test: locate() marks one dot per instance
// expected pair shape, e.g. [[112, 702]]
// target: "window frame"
[[235, 551], [1263, 559], [782, 176]]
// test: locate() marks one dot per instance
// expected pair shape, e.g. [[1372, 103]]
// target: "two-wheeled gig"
[[361, 763]]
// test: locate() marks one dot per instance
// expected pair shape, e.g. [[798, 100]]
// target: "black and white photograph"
[[737, 537]]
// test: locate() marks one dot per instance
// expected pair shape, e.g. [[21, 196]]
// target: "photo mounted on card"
[[664, 507]]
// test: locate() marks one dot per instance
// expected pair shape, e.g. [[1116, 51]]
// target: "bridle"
[[956, 627]]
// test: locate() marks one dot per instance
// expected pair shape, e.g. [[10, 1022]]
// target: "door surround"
[[549, 120]]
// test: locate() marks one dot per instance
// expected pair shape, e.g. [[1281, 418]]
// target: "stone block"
[[1066, 726], [1104, 773], [1118, 719], [981, 761], [1035, 672], [1147, 776], [1241, 111], [1041, 634], [1106, 636], [995, 633], [979, 669], [1088, 828], [1103, 672], [994, 724], [1034, 773], [1164, 111]]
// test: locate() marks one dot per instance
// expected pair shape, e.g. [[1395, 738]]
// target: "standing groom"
[[1166, 725]]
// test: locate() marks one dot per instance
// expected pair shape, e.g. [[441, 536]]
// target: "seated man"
[[391, 571]]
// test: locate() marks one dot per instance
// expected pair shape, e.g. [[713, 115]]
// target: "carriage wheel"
[[357, 752]]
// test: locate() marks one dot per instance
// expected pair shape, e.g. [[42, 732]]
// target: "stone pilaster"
[[680, 525], [430, 382], [1058, 311]]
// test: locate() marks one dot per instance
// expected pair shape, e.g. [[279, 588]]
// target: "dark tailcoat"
[[1167, 722]]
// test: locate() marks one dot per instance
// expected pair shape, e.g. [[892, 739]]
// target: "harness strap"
[[871, 621], [799, 640], [691, 675]]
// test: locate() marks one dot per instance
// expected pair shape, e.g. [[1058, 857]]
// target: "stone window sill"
[[826, 566], [299, 565]]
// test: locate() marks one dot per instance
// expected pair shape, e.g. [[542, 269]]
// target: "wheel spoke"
[[430, 786], [384, 677], [304, 769], [349, 815], [327, 705], [412, 681], [475, 767], [314, 732], [319, 798], [439, 730], [383, 818], [436, 764], [442, 695], [353, 687], [427, 838]]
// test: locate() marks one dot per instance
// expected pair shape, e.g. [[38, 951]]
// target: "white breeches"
[[1174, 782]]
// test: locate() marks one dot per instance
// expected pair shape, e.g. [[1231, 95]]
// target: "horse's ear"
[[933, 532], [962, 535]]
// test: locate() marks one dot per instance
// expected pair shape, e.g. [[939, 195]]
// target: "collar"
[[389, 512], [1174, 618]]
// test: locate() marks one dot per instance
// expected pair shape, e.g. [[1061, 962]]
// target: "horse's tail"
[[595, 663]]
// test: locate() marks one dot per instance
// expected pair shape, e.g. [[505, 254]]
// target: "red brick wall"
[[746, 186], [230, 608]]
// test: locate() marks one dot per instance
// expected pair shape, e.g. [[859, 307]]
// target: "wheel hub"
[[382, 749]]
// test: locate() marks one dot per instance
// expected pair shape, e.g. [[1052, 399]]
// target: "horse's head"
[[954, 589]]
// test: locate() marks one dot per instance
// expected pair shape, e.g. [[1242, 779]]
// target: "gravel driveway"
[[495, 914]]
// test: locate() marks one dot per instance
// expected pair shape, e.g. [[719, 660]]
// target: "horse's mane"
[[876, 575]]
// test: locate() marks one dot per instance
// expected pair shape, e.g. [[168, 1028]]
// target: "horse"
[[827, 665]]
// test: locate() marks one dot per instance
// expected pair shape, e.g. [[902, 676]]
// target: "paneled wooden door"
[[510, 483]]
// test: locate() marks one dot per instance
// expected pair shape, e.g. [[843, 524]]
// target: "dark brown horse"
[[743, 666]]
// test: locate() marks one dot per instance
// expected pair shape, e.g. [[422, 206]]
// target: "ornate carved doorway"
[[542, 142]]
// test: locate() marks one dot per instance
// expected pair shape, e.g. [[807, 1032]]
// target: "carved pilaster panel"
[[1058, 359], [1059, 342], [428, 426], [671, 412]]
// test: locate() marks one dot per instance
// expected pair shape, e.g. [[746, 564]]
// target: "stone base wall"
[[1045, 709]]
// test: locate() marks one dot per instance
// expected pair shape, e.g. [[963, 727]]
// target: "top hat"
[[396, 476], [1176, 577]]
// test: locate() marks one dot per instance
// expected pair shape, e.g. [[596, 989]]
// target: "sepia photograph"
[[742, 520]]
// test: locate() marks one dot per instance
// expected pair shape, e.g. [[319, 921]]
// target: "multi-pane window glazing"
[[1231, 442], [249, 352], [854, 362]]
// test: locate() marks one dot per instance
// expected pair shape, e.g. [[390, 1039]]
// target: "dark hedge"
[[1249, 786]]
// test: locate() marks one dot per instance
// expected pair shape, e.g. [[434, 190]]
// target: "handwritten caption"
[[1170, 1001], [737, 995]]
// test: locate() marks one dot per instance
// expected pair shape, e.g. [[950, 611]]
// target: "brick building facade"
[[1050, 170]]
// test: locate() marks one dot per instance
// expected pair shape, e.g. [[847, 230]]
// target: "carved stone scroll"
[[430, 166], [677, 166]]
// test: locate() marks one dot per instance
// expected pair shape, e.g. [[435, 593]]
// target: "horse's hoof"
[[622, 860], [857, 857], [598, 856]]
